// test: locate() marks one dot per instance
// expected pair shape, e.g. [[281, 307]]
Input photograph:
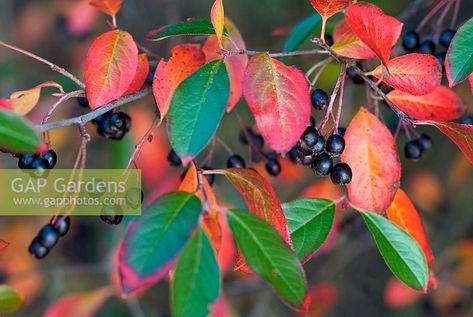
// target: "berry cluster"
[[113, 125], [412, 43], [38, 163], [48, 236], [414, 148]]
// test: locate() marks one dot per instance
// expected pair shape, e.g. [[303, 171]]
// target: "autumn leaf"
[[217, 16], [460, 134], [140, 75], [372, 155], [185, 59], [376, 29], [236, 64], [278, 96], [6, 104], [403, 213], [398, 295], [327, 8], [110, 67], [415, 74], [348, 44], [440, 104], [24, 101], [110, 7], [84, 304], [323, 297]]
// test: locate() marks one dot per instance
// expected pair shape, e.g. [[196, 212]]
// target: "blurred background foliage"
[[350, 277]]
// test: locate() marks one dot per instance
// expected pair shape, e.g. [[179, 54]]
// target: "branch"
[[53, 66], [95, 113], [146, 137], [275, 55]]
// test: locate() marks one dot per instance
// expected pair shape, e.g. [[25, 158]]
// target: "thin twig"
[[138, 147], [340, 79], [280, 54]]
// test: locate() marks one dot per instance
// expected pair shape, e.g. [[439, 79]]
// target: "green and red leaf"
[[278, 96], [415, 74], [84, 304], [185, 59], [140, 75], [110, 67], [440, 104], [154, 240], [374, 28], [459, 59], [372, 155]]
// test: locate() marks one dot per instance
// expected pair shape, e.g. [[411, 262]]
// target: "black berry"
[[62, 225], [335, 145], [113, 125], [468, 119], [48, 236], [273, 167], [174, 159], [354, 77], [319, 99], [306, 159], [427, 47], [40, 166], [26, 160], [446, 37], [111, 215], [307, 140], [341, 131], [341, 174], [50, 156], [425, 142], [322, 164], [37, 250], [319, 145], [294, 155], [83, 102], [413, 150], [235, 161], [411, 41], [328, 39]]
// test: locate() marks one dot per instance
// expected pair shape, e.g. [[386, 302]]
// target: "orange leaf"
[[460, 134], [440, 104], [278, 96], [236, 64], [140, 75], [327, 8], [415, 74], [110, 67], [79, 304], [348, 44], [399, 295], [185, 59], [403, 213], [372, 155], [24, 101], [3, 245], [217, 16], [110, 7], [376, 29]]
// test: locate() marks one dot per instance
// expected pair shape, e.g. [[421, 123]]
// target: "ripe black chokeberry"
[[425, 142], [411, 41], [134, 197], [38, 250], [273, 167], [322, 164], [354, 77], [48, 236], [235, 161], [341, 131], [111, 214], [83, 102], [335, 145], [61, 224], [294, 155], [209, 177], [113, 125], [446, 37], [427, 47], [306, 159], [468, 119], [328, 39], [174, 159], [256, 139], [307, 140], [40, 167], [319, 146], [50, 156], [341, 174], [26, 160], [413, 150], [319, 99]]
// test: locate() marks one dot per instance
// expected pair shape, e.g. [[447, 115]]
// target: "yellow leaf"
[[217, 15], [24, 101]]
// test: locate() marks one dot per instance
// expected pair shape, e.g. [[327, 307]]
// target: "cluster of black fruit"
[[414, 148], [37, 163], [48, 236], [113, 214], [412, 43]]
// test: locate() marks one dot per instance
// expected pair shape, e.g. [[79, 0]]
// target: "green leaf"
[[459, 61], [10, 299], [17, 134], [400, 251], [309, 221], [154, 240], [196, 282], [268, 255], [199, 26], [197, 106], [301, 32]]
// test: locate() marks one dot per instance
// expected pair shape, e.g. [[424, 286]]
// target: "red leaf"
[[323, 297], [416, 74], [185, 59], [440, 104], [140, 75], [376, 29], [6, 104], [399, 295], [236, 64], [261, 200], [110, 7], [278, 96], [110, 67], [470, 79], [3, 245], [460, 134], [372, 155], [79, 304], [348, 44], [403, 213], [327, 8]]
